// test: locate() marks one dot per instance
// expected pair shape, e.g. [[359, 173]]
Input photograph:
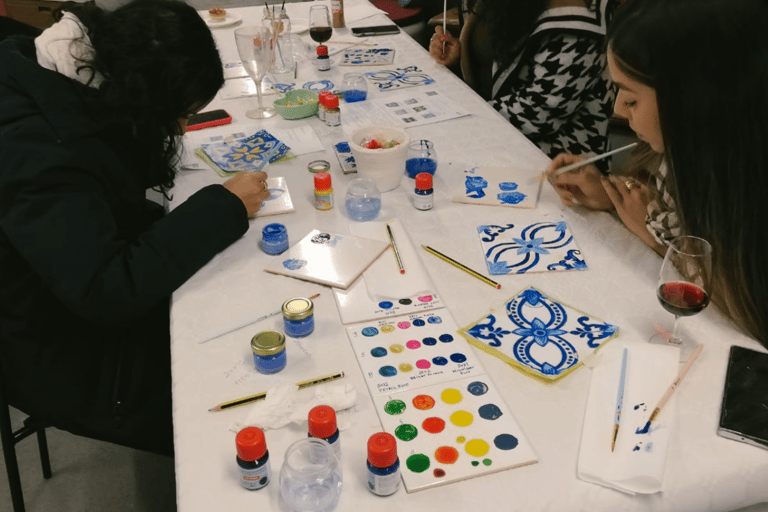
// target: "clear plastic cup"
[[310, 479], [363, 200]]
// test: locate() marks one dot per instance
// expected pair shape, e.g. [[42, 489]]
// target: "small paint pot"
[[274, 238], [298, 317], [269, 351]]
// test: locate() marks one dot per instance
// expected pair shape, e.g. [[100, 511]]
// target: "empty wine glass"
[[684, 287], [255, 45], [320, 28]]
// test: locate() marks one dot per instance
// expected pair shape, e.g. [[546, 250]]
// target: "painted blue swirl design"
[[475, 186], [570, 262], [524, 253]]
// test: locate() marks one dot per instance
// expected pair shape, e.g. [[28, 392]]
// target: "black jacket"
[[87, 266]]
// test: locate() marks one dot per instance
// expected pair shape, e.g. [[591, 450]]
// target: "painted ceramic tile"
[[319, 85], [546, 246], [346, 159], [400, 78], [367, 57], [279, 198], [328, 258], [248, 154], [411, 351], [499, 186], [539, 335], [453, 431]]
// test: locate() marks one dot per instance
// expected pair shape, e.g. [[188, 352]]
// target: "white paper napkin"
[[637, 463]]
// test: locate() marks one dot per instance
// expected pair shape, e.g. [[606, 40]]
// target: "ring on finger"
[[265, 186], [630, 184]]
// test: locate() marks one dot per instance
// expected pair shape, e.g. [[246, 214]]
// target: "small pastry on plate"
[[217, 14]]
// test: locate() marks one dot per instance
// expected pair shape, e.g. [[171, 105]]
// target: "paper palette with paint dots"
[[451, 432]]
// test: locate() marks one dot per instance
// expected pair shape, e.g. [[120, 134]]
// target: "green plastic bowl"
[[297, 104]]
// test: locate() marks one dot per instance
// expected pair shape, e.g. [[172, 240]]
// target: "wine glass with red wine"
[[320, 28], [684, 287]]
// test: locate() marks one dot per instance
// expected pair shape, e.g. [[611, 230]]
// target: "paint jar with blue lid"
[[274, 238], [269, 351], [298, 317]]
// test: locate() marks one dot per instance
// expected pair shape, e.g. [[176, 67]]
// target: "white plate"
[[229, 20], [299, 25]]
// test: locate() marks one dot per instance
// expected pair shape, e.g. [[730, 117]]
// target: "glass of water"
[[310, 479]]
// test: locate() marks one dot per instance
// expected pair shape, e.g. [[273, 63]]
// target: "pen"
[[620, 398], [261, 396], [582, 163], [462, 267], [394, 248]]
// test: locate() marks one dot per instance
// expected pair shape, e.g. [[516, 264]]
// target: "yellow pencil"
[[462, 267], [261, 396]]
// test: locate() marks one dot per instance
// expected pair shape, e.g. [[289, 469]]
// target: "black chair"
[[9, 440], [10, 27]]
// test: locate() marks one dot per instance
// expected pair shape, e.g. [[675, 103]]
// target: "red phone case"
[[208, 119]]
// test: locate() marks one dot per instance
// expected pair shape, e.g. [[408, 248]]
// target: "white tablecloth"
[[704, 472]]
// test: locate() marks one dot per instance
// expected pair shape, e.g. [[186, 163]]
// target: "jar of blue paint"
[[298, 317], [269, 351], [274, 238], [354, 88]]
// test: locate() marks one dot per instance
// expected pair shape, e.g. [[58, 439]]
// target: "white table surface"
[[704, 472]]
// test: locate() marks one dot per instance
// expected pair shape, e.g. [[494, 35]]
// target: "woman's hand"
[[251, 188], [445, 48], [581, 186], [631, 198]]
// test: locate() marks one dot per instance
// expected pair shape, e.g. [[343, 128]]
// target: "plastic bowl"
[[297, 104], [385, 166]]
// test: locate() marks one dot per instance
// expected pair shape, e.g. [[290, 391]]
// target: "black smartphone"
[[207, 119], [744, 410], [377, 30]]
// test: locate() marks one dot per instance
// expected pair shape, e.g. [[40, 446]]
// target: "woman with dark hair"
[[91, 115], [540, 64], [692, 79]]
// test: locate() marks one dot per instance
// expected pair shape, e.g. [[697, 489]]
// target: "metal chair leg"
[[45, 461], [9, 451]]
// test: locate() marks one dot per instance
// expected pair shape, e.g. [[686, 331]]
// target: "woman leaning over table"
[[541, 64], [692, 79], [91, 116]]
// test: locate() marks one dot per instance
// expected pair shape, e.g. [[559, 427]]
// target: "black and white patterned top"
[[556, 91], [662, 221]]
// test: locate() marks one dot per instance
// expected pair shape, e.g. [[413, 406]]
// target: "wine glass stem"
[[675, 338], [258, 94]]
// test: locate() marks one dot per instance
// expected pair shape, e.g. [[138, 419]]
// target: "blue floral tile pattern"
[[539, 335], [248, 154], [539, 247]]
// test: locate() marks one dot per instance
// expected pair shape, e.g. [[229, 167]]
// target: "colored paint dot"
[[387, 328], [385, 305], [387, 371], [412, 344], [477, 447], [440, 361], [403, 325], [439, 473], [394, 407], [505, 442], [435, 320], [405, 367], [419, 322], [475, 463], [477, 388], [433, 425], [405, 302], [370, 331], [446, 455], [451, 396], [406, 432], [487, 462], [418, 463], [461, 439], [378, 352], [489, 412], [396, 348], [425, 298], [458, 357], [462, 418], [429, 341], [423, 364], [423, 402], [446, 338]]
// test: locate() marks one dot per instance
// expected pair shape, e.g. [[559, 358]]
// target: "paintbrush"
[[572, 167]]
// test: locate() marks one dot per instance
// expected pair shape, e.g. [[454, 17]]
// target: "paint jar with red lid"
[[253, 458], [383, 464], [322, 425]]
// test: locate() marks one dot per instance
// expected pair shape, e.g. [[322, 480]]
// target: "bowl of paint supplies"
[[363, 200], [380, 153], [421, 157], [297, 104]]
